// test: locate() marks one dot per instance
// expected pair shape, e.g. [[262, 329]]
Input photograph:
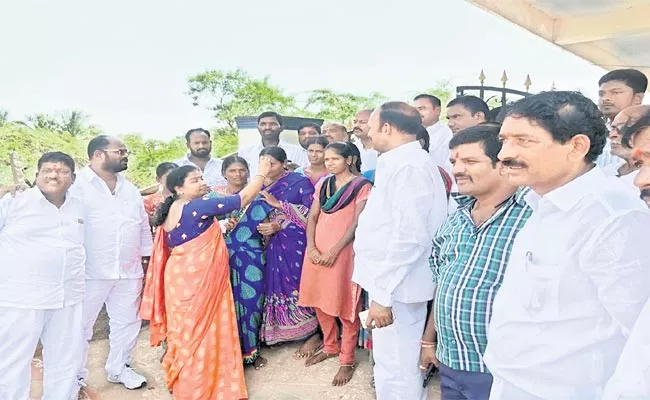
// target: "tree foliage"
[[230, 94], [340, 107]]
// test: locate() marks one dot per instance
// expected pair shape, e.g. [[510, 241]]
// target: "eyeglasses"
[[122, 152]]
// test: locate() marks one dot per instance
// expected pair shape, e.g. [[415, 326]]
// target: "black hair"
[[487, 134], [164, 167], [189, 133], [230, 160], [276, 152], [273, 114], [423, 134], [629, 131], [322, 140], [472, 103], [174, 179], [100, 142], [564, 114], [435, 101], [56, 157], [401, 116], [309, 125], [345, 150], [631, 77]]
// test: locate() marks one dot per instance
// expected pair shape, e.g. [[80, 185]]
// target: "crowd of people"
[[503, 249]]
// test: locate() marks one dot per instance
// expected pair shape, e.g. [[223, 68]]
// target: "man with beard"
[[364, 141], [335, 132], [270, 125], [200, 145], [465, 112], [42, 285], [118, 245], [618, 90], [306, 131], [470, 253], [579, 272], [429, 108]]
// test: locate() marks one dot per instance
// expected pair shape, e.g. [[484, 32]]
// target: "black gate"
[[494, 92]]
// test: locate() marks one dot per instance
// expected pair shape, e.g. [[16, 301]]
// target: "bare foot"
[[309, 347], [344, 375], [259, 363], [318, 358]]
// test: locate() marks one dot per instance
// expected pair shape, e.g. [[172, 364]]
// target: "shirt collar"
[[91, 176], [187, 157], [399, 153], [571, 193], [36, 194], [465, 200]]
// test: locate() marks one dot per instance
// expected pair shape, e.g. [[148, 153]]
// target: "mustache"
[[513, 163], [457, 176], [645, 192]]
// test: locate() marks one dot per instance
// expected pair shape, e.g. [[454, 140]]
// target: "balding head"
[[335, 132], [630, 115], [393, 124]]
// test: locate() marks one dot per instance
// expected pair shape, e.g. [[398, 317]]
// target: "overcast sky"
[[126, 63]]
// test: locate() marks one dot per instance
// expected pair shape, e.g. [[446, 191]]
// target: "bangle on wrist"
[[428, 343], [263, 176]]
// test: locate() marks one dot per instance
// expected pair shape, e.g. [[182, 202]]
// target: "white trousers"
[[396, 350], [60, 332], [122, 298]]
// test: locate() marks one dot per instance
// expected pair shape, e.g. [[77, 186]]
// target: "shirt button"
[[452, 286], [453, 342]]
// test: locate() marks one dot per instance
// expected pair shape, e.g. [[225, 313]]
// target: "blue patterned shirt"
[[468, 264]]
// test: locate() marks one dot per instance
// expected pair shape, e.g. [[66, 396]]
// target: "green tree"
[[4, 117], [45, 122], [230, 94], [339, 107]]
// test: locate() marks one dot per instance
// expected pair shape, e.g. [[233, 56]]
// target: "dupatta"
[[332, 200]]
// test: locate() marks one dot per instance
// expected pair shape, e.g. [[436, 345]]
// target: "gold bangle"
[[263, 177], [428, 346]]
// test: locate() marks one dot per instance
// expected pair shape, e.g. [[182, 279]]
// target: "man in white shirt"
[[429, 107], [618, 90], [392, 247], [632, 377], [42, 285], [270, 125], [465, 112], [579, 270], [364, 141], [199, 144], [118, 246]]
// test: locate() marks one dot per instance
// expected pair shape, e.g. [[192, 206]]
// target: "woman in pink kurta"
[[326, 282]]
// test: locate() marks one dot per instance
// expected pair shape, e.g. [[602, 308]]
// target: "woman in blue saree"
[[247, 259], [290, 195]]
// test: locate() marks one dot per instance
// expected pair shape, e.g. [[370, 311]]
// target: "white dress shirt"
[[632, 377], [295, 154], [42, 252], [393, 239], [628, 179], [118, 234], [439, 137], [368, 156], [577, 278], [211, 174]]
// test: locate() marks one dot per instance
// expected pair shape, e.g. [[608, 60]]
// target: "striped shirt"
[[468, 264]]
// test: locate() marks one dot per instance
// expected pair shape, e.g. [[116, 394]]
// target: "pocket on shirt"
[[540, 289]]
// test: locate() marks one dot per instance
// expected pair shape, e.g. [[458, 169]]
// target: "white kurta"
[[41, 293], [211, 174], [577, 278], [439, 137], [392, 248], [117, 237]]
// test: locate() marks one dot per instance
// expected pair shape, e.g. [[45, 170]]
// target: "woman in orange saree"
[[187, 296]]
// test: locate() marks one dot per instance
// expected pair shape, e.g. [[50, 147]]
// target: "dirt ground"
[[282, 379]]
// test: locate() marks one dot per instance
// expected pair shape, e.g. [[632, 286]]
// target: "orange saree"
[[188, 300]]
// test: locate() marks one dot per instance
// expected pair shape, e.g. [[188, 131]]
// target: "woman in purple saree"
[[290, 194]]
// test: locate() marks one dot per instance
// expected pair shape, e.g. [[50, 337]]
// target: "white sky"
[[125, 63]]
